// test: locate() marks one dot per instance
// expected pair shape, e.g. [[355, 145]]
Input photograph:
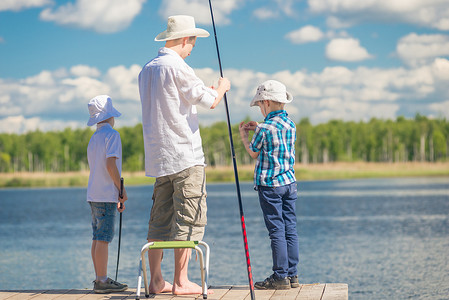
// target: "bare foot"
[[189, 288], [163, 287]]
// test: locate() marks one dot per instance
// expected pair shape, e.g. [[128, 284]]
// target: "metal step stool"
[[204, 266]]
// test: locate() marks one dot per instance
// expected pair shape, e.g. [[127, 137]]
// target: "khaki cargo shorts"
[[179, 206]]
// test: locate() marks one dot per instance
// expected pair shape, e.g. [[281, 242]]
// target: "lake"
[[386, 238]]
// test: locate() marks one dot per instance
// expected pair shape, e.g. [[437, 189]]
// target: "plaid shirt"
[[275, 139]]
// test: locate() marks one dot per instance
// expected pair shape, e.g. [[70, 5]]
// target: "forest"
[[401, 140]]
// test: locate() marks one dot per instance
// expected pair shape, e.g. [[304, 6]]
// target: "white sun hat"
[[180, 26], [100, 109], [272, 90]]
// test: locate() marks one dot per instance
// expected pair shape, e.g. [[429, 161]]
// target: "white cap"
[[179, 27], [272, 90], [100, 109]]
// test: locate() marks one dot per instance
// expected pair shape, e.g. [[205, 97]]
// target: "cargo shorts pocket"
[[192, 197]]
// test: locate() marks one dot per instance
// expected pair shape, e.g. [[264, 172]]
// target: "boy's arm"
[[115, 175], [243, 129]]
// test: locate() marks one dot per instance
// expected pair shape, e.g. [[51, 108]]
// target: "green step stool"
[[204, 261]]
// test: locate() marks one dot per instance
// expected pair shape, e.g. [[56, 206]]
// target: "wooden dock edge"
[[315, 291]]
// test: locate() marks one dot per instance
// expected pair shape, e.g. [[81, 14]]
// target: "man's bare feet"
[[162, 287], [188, 288]]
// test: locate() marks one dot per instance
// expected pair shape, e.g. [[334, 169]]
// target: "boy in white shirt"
[[104, 155]]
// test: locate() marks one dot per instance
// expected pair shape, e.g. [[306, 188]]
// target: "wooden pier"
[[323, 291]]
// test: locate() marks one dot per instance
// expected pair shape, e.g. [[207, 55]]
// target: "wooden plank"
[[74, 294], [121, 295], [50, 294], [311, 291], [335, 291], [285, 294], [219, 292], [261, 294], [23, 294], [236, 292]]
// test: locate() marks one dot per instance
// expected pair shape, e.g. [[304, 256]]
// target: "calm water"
[[386, 238]]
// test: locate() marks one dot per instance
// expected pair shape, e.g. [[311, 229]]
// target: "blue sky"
[[347, 60]]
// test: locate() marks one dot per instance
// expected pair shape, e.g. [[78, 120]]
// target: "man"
[[169, 92]]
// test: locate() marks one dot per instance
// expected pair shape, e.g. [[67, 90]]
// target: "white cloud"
[[104, 16], [440, 109], [305, 34], [17, 5], [275, 9], [346, 49], [83, 70], [200, 10], [416, 50], [343, 13], [57, 99]]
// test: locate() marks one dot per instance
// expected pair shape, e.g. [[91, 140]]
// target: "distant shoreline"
[[329, 171]]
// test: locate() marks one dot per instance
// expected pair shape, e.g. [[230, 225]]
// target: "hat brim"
[[257, 98], [166, 36], [103, 116]]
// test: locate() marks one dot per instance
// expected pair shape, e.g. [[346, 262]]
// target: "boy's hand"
[[251, 125], [243, 131], [122, 207], [122, 200]]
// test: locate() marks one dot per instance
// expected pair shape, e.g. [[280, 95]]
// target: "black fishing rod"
[[120, 228], [242, 217]]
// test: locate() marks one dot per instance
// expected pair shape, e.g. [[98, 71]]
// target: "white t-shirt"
[[169, 91], [104, 143]]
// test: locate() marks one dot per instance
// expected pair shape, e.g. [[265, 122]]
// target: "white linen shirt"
[[104, 143], [169, 92]]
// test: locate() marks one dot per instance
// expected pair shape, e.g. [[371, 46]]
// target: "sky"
[[348, 60]]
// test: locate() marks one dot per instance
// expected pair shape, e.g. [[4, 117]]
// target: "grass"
[[339, 170]]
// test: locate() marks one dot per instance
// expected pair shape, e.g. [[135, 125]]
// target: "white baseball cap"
[[180, 26], [272, 90], [100, 109]]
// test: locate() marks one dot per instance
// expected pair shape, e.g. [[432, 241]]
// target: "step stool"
[[204, 264]]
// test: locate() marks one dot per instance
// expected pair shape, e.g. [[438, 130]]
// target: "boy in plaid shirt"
[[273, 145]]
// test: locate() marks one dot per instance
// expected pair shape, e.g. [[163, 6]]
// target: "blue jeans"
[[279, 211]]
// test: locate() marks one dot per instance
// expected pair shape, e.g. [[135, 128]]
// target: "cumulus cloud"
[[346, 49], [199, 9], [429, 13], [57, 99], [17, 5], [416, 50], [276, 8], [104, 16], [305, 34]]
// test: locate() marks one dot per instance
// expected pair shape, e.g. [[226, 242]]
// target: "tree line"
[[401, 140]]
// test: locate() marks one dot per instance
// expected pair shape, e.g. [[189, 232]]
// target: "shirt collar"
[[168, 51], [101, 125], [276, 113]]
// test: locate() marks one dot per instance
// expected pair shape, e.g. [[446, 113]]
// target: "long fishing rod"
[[120, 228], [242, 217]]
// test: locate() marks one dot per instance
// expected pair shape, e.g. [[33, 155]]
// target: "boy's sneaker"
[[272, 283], [294, 282], [110, 286]]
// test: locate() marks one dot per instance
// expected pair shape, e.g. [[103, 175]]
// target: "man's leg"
[[291, 234], [181, 283], [189, 200], [157, 282], [159, 229]]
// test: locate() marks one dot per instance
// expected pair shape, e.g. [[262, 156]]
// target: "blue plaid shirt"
[[275, 139]]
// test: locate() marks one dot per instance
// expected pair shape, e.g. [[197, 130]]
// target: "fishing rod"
[[242, 217], [120, 228]]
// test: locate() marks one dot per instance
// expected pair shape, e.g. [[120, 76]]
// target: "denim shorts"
[[103, 220]]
